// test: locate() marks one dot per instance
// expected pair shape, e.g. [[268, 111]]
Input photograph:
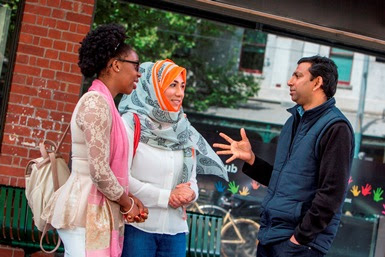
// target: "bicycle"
[[238, 235]]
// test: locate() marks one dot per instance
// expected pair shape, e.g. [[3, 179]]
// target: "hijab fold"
[[164, 127]]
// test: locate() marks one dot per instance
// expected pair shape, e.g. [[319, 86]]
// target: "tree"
[[188, 41]]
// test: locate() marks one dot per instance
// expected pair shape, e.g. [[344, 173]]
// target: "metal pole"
[[361, 107]]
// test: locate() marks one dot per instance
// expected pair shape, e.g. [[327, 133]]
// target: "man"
[[308, 182]]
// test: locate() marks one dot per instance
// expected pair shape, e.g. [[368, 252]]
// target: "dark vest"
[[293, 183]]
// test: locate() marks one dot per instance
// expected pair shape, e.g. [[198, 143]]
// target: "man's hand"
[[239, 149], [293, 240]]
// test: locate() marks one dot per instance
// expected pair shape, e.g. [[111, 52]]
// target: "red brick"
[[21, 110], [32, 61], [12, 171], [31, 49], [62, 96], [29, 18], [64, 76], [60, 14], [41, 113], [20, 183], [47, 125], [37, 9], [12, 118], [60, 116], [54, 136], [41, 62], [67, 57], [37, 102], [46, 42], [53, 3], [67, 5], [67, 67], [18, 130], [45, 93], [38, 134], [54, 34], [56, 65], [4, 180], [79, 18], [75, 69], [72, 37], [60, 106], [51, 54], [49, 22], [33, 122], [27, 69], [47, 73], [59, 45], [14, 98], [70, 48], [83, 29], [39, 20], [25, 38], [23, 120], [73, 27], [69, 107], [25, 100], [19, 79], [35, 30], [15, 150], [6, 160], [73, 88], [22, 58], [23, 89], [53, 84], [16, 162], [51, 105]]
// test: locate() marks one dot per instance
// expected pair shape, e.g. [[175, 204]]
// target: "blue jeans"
[[287, 249], [138, 243]]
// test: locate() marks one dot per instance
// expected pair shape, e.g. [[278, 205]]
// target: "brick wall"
[[46, 81]]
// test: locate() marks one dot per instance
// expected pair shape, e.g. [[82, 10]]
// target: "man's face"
[[301, 85]]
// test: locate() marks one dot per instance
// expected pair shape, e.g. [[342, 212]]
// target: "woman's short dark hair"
[[327, 69], [99, 46]]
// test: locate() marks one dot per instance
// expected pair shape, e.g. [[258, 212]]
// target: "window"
[[253, 51], [10, 20], [343, 60]]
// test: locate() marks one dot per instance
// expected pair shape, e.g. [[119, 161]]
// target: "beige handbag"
[[43, 176]]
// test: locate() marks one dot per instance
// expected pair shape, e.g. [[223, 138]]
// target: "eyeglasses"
[[133, 62]]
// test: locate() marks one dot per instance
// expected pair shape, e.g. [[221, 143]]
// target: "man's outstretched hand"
[[239, 149]]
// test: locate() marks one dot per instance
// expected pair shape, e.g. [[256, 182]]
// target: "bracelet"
[[132, 206]]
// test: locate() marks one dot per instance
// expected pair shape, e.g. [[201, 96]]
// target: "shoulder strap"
[[136, 133]]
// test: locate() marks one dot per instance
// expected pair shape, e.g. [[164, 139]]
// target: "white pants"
[[74, 241]]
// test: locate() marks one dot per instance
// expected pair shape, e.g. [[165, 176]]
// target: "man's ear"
[[318, 83]]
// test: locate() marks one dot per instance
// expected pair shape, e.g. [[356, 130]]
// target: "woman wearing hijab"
[[170, 154]]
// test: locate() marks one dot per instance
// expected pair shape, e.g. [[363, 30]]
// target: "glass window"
[[10, 14], [253, 51], [344, 60]]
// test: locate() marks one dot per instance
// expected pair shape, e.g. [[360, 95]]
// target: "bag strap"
[[136, 133], [45, 230], [54, 171], [62, 138]]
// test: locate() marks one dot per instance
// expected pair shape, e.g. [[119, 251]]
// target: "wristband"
[[132, 206]]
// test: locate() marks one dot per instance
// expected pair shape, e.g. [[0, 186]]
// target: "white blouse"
[[154, 173]]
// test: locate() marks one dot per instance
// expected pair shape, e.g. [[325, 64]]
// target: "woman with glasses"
[[169, 155], [89, 209]]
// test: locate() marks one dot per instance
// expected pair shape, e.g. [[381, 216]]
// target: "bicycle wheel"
[[231, 245], [213, 210]]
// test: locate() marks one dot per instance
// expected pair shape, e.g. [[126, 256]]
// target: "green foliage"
[[188, 41]]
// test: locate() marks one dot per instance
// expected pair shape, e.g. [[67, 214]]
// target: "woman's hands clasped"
[[137, 212], [239, 149], [181, 195]]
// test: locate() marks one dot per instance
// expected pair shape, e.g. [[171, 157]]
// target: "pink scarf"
[[104, 221]]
